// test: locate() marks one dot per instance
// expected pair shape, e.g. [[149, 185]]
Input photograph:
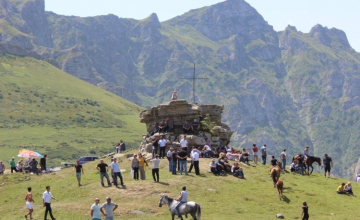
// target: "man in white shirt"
[[156, 167], [115, 171], [184, 143], [174, 96], [162, 143], [109, 210], [191, 157], [95, 210], [183, 198], [195, 159], [47, 202], [206, 151]]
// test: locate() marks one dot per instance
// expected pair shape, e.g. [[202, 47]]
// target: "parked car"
[[86, 159]]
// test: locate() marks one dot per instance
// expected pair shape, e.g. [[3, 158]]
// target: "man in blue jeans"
[[182, 157], [183, 198], [103, 168], [174, 158], [115, 169], [283, 159], [263, 154], [301, 163], [169, 157]]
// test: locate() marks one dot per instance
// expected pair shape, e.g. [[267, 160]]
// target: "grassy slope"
[[254, 198], [47, 110]]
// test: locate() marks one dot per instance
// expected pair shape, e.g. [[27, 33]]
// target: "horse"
[[275, 172], [279, 186], [191, 208], [308, 162]]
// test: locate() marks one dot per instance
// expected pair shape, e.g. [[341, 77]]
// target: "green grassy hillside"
[[54, 113], [253, 198]]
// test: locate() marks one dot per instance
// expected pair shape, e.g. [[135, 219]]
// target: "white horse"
[[191, 208]]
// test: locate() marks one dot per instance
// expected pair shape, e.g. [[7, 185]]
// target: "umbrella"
[[29, 154]]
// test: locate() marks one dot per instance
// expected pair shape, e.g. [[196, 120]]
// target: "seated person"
[[227, 165], [186, 127], [195, 126], [292, 167], [245, 156], [358, 178], [348, 189], [174, 96], [232, 156], [238, 171], [213, 167], [206, 151], [220, 166], [273, 161], [207, 142], [169, 125], [222, 154], [341, 189], [162, 127], [155, 128]]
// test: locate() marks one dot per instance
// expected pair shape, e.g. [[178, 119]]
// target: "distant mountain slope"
[[45, 109], [288, 89]]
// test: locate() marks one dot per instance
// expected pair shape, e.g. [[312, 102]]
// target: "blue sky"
[[303, 14]]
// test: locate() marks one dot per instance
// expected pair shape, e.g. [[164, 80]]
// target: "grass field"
[[49, 111], [253, 198]]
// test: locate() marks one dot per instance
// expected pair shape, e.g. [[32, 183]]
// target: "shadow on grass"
[[286, 199], [163, 183]]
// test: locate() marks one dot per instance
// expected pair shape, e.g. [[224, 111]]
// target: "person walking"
[[115, 170], [255, 153], [78, 169], [263, 154], [327, 161], [135, 167], [142, 166], [305, 211], [184, 143], [169, 157], [162, 144], [182, 157], [156, 167], [283, 159], [12, 165], [33, 165], [196, 157], [29, 200], [43, 163], [183, 198], [95, 210], [109, 209], [103, 168], [47, 202], [2, 168], [155, 146]]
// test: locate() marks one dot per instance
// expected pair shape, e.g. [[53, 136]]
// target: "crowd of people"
[[25, 165]]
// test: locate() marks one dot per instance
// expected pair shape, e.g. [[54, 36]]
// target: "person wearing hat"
[[12, 164], [95, 210], [183, 198], [174, 96], [109, 209]]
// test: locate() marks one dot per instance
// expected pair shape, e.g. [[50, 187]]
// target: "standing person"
[[47, 202], [184, 143], [196, 157], [174, 96], [358, 178], [135, 167], [156, 167], [79, 169], [182, 157], [29, 199], [109, 209], [111, 172], [169, 156], [255, 153], [283, 159], [43, 163], [305, 211], [2, 168], [115, 170], [183, 198], [300, 160], [162, 144], [155, 146], [12, 164], [142, 166], [174, 158], [103, 168], [263, 154], [95, 210], [33, 165], [327, 161]]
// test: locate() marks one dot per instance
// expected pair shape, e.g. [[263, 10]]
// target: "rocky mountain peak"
[[148, 28], [327, 36]]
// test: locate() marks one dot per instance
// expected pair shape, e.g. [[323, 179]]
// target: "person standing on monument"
[[162, 144], [184, 144], [174, 96], [263, 154]]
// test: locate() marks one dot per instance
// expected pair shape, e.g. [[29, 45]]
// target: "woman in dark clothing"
[[305, 211]]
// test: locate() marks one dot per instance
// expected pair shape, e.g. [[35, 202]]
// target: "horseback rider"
[[182, 199], [306, 152]]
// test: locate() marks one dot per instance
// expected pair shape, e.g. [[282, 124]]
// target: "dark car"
[[86, 159]]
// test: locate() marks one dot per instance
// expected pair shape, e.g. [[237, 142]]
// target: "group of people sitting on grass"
[[222, 167], [345, 189]]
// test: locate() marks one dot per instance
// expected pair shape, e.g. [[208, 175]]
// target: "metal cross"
[[194, 78]]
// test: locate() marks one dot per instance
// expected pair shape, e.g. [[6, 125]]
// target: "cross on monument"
[[194, 78]]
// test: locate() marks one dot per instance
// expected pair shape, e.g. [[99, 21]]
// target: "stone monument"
[[180, 111]]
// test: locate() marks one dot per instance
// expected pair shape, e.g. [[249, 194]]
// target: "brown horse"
[[279, 186], [275, 172], [308, 162]]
